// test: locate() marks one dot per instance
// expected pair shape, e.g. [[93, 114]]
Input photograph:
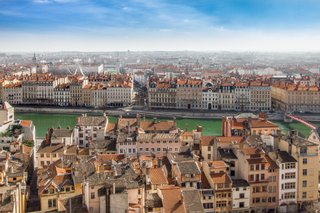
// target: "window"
[[290, 175], [92, 195], [291, 185], [304, 183], [52, 203], [241, 205], [304, 194], [241, 195], [305, 172], [290, 165], [289, 195], [304, 160], [303, 150]]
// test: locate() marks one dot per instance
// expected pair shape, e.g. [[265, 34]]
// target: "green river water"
[[44, 121]]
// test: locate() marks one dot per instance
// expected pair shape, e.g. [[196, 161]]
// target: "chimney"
[[113, 188], [138, 119], [159, 162]]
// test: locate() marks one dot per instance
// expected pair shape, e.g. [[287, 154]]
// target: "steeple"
[[34, 59]]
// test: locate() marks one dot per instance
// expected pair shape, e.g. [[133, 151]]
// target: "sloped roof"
[[157, 176]]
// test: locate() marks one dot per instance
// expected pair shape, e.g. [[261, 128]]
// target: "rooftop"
[[91, 121], [189, 167]]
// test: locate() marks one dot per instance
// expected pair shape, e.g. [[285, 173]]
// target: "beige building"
[[206, 145], [12, 92], [221, 183], [38, 89], [295, 97], [227, 97], [76, 91], [189, 93], [306, 154], [162, 94], [260, 96], [99, 95], [262, 174]]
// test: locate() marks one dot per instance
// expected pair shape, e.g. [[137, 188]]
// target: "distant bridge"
[[296, 118]]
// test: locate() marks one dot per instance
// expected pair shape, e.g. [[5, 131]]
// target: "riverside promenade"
[[133, 111]]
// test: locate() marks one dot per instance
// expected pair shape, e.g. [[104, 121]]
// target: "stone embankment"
[[151, 113]]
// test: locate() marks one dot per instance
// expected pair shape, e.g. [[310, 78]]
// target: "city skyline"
[[140, 25]]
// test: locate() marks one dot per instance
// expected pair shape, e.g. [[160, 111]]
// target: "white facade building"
[[240, 196], [87, 129], [288, 182]]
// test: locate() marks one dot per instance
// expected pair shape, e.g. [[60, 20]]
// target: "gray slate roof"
[[192, 201], [285, 157], [189, 167], [91, 121]]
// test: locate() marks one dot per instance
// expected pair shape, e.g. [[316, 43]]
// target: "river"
[[43, 121]]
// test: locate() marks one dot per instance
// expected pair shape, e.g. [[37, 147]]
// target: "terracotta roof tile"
[[157, 176]]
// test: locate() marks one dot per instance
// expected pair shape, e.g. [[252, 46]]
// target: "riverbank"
[[132, 112]]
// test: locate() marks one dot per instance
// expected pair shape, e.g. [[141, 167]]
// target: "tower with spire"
[[34, 59]]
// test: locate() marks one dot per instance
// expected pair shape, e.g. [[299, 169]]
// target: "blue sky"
[[103, 25]]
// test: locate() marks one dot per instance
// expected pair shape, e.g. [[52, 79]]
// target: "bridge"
[[296, 118]]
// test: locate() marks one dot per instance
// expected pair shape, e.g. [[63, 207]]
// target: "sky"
[[147, 25]]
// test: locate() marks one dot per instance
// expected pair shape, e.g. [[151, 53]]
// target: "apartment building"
[[76, 85], [162, 94], [221, 183], [189, 93], [99, 95], [12, 92], [206, 147], [49, 154], [61, 95], [246, 124], [38, 89], [227, 97], [187, 174], [262, 175], [120, 91], [87, 95], [288, 181], [56, 184], [306, 154], [242, 94], [260, 96], [241, 196], [295, 97], [210, 98], [88, 129], [158, 144]]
